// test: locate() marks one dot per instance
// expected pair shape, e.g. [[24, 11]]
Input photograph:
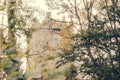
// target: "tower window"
[[56, 29]]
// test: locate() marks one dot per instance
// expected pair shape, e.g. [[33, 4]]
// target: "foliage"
[[10, 63], [97, 42]]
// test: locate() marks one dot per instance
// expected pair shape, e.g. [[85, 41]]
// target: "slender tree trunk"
[[0, 54]]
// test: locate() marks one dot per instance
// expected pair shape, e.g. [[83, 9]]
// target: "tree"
[[97, 40], [101, 43], [10, 49]]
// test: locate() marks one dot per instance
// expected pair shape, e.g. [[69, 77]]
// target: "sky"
[[42, 8], [37, 3]]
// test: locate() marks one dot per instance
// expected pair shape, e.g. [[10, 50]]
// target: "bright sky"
[[42, 7], [38, 4]]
